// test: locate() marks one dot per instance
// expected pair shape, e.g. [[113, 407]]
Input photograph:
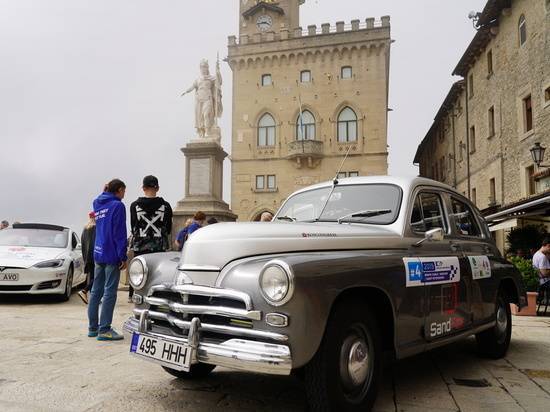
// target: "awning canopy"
[[539, 206]]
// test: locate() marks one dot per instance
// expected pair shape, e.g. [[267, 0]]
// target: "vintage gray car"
[[348, 271]]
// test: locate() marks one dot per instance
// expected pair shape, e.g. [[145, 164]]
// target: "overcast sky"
[[89, 90]]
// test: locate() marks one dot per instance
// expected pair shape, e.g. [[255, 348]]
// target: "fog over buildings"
[[91, 90]]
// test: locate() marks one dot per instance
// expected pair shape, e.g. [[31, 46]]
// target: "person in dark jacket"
[[151, 222], [110, 258], [88, 243]]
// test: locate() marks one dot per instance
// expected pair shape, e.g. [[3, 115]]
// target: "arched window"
[[266, 130], [522, 30], [305, 126], [347, 126]]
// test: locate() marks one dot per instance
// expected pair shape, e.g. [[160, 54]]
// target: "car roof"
[[405, 182], [39, 226]]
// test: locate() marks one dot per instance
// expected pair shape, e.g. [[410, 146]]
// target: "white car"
[[40, 259]]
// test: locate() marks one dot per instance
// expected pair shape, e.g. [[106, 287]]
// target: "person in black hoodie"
[[151, 222]]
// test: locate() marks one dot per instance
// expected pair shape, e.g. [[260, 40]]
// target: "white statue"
[[208, 101]]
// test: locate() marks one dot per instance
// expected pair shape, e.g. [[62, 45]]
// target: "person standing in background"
[[4, 225], [88, 243], [151, 222], [110, 258], [182, 235]]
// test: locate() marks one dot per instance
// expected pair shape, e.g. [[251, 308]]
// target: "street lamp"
[[537, 153]]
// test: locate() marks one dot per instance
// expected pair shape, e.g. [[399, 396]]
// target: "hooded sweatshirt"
[[151, 221], [111, 239]]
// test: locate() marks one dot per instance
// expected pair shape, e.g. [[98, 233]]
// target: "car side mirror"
[[433, 235]]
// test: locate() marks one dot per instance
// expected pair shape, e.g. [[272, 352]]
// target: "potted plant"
[[530, 277]]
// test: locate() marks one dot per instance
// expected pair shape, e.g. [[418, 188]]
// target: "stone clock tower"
[[304, 97], [268, 15]]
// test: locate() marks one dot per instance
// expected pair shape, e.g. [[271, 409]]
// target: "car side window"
[[464, 220], [427, 213]]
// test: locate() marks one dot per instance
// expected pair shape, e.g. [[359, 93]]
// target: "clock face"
[[264, 23]]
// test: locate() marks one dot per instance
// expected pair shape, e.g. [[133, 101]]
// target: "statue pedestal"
[[203, 184]]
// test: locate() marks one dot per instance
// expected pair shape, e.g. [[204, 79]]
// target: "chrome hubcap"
[[502, 322], [358, 363], [354, 363]]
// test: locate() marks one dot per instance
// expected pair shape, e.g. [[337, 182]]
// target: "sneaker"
[[84, 296], [92, 333], [110, 335]]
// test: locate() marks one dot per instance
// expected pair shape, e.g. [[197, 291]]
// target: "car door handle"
[[488, 250], [455, 247]]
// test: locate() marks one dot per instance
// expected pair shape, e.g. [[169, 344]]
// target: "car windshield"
[[373, 203], [34, 238]]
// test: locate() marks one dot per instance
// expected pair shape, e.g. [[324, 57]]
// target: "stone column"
[[203, 184]]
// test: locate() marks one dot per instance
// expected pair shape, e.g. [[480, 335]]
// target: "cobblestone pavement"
[[48, 364]]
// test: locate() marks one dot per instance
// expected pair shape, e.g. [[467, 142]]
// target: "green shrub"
[[529, 273]]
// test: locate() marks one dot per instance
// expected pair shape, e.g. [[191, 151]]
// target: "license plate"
[[10, 277], [172, 354]]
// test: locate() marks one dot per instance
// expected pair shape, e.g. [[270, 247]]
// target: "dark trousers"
[[90, 269]]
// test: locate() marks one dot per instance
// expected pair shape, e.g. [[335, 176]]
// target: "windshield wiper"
[[364, 214], [287, 218]]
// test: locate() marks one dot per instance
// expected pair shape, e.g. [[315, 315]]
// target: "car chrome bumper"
[[241, 354]]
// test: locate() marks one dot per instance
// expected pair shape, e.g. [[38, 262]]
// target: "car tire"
[[198, 371], [493, 343], [344, 373], [68, 286]]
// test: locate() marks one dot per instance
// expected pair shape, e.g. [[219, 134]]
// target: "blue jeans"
[[106, 278]]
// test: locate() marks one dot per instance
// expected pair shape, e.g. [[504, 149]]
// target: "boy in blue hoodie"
[[110, 258]]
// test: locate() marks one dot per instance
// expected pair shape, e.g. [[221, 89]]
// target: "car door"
[[481, 257], [436, 267]]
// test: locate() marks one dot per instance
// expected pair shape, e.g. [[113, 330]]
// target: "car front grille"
[[222, 312]]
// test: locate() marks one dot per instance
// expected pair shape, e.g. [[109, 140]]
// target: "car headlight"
[[50, 264], [138, 273], [277, 282]]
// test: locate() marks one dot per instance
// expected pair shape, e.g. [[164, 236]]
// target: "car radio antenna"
[[335, 181]]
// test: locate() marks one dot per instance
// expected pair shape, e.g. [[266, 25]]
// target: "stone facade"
[[493, 166], [278, 68]]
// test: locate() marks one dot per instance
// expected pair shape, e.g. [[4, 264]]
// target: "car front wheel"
[[494, 342], [68, 286], [344, 373], [198, 371]]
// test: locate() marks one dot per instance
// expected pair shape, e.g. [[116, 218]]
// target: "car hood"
[[25, 257], [219, 244]]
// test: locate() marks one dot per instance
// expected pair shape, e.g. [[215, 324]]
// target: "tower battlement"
[[325, 29]]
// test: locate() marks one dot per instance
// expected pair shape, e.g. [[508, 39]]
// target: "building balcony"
[[307, 152]]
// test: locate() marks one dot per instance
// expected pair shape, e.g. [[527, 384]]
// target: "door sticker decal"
[[431, 271], [481, 267]]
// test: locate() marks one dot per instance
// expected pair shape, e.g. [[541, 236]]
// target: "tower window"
[[347, 72], [266, 80], [491, 121], [522, 30], [471, 84], [305, 126], [266, 130], [527, 114], [472, 139], [490, 62], [347, 126], [305, 76]]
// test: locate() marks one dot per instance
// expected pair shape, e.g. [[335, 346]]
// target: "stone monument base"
[[203, 184]]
